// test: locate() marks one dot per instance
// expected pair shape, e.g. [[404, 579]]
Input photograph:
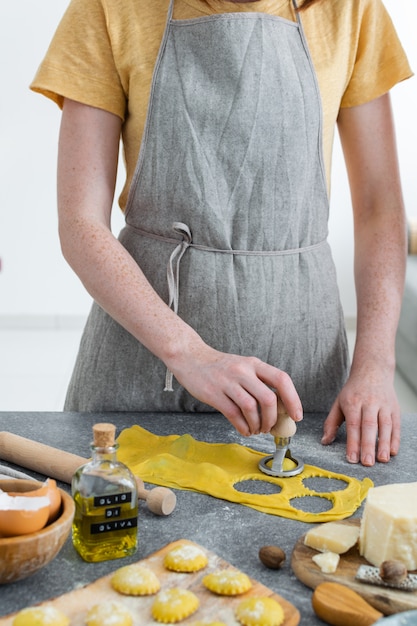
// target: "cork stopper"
[[104, 435]]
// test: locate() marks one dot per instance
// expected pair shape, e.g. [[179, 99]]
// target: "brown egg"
[[49, 489], [20, 515]]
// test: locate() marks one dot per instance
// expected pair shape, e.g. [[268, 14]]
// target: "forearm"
[[118, 285], [368, 139], [380, 253]]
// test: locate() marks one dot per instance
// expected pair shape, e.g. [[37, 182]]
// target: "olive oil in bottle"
[[106, 502]]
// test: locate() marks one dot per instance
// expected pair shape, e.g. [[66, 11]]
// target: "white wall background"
[[35, 282]]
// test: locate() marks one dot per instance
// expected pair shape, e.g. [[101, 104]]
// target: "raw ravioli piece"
[[41, 616], [185, 558], [109, 614], [227, 582], [259, 612], [135, 580], [174, 605]]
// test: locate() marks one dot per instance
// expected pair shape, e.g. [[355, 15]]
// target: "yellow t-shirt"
[[104, 52]]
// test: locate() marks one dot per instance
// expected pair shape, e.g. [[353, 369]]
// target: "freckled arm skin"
[[368, 402], [238, 387]]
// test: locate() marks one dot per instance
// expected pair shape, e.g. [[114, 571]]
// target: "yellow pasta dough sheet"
[[212, 607], [182, 462]]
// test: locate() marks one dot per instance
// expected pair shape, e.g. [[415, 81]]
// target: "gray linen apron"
[[227, 217]]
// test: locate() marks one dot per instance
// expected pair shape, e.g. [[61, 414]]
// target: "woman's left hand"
[[369, 406]]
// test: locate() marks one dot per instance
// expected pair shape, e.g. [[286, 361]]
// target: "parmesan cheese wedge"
[[327, 561], [389, 525], [332, 537]]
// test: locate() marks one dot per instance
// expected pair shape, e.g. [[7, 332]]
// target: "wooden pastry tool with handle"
[[282, 431], [340, 606], [61, 465]]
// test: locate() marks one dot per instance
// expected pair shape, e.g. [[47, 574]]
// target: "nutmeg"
[[393, 571], [272, 556]]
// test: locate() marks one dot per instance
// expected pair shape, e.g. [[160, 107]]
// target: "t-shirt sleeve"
[[79, 63], [380, 61]]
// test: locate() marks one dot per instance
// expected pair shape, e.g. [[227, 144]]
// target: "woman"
[[220, 293]]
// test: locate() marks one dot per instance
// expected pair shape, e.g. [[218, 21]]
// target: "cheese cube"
[[389, 525], [332, 537], [327, 561]]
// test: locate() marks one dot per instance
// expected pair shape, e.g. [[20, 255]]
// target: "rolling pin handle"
[[160, 500], [39, 457]]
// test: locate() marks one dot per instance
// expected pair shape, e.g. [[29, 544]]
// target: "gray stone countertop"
[[232, 531]]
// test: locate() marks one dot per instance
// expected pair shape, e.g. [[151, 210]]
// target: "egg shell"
[[50, 489], [20, 515]]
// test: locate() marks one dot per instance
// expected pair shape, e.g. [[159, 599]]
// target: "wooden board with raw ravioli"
[[213, 607], [387, 600]]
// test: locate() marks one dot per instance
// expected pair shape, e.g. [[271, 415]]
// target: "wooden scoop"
[[61, 465], [340, 606]]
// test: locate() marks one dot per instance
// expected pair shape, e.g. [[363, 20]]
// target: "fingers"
[[362, 433], [251, 409], [376, 438], [373, 432], [332, 424], [243, 424], [372, 435], [285, 394], [389, 435], [252, 405], [396, 432]]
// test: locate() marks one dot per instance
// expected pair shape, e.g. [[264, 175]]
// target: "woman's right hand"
[[244, 389]]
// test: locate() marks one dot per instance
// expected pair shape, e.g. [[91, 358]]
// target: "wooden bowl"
[[24, 555]]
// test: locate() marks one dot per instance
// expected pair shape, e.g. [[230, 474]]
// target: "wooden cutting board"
[[212, 607], [385, 599]]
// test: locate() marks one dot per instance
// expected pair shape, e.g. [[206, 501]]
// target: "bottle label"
[[110, 526], [117, 498], [113, 512]]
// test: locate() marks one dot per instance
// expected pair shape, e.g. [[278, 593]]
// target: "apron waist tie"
[[173, 267], [173, 278]]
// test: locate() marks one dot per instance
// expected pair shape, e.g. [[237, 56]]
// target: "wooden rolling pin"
[[55, 463], [340, 606]]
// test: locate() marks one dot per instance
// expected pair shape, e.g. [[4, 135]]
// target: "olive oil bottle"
[[106, 502]]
